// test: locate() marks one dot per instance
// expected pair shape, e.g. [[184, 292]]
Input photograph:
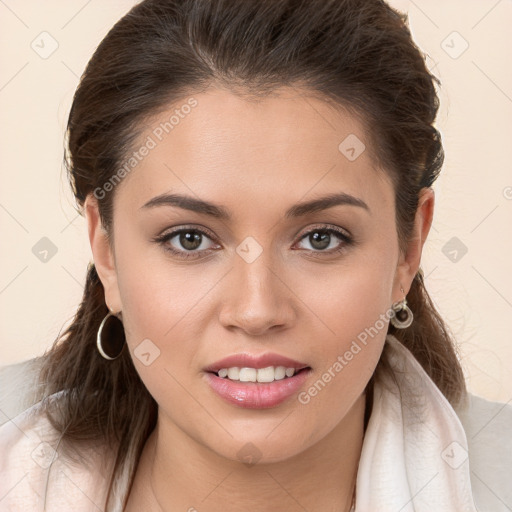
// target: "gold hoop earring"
[[115, 340]]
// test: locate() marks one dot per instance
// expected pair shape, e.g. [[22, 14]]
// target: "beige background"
[[473, 290]]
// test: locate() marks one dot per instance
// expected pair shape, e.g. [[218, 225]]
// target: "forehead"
[[287, 144]]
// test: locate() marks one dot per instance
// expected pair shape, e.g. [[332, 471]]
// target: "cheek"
[[352, 307], [349, 350], [147, 288], [160, 339], [151, 309], [350, 298]]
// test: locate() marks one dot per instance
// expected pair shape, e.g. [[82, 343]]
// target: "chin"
[[258, 450]]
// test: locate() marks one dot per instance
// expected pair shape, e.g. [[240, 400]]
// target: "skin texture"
[[256, 159]]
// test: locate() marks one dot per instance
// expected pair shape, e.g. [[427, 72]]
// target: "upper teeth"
[[268, 374]]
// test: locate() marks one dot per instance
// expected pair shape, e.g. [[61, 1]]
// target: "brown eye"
[[190, 240], [186, 242], [327, 240], [320, 239]]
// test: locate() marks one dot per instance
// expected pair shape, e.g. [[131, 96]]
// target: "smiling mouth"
[[257, 393], [261, 375]]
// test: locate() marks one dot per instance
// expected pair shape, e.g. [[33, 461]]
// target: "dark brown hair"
[[356, 54]]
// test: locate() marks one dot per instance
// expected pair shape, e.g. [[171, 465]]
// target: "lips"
[[257, 395], [246, 360]]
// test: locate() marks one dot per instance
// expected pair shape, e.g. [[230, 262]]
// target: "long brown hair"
[[357, 54]]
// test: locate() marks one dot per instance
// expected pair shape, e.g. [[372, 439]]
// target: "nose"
[[257, 298]]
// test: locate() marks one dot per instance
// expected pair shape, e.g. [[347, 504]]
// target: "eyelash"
[[163, 239]]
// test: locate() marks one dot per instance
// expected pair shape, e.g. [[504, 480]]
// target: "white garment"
[[414, 456]]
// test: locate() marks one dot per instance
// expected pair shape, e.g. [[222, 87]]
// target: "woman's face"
[[259, 280]]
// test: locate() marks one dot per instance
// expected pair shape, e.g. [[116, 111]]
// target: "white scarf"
[[415, 453]]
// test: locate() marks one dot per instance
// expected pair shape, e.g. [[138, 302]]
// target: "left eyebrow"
[[323, 203], [220, 212]]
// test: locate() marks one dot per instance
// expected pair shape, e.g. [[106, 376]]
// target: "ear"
[[103, 255], [409, 263]]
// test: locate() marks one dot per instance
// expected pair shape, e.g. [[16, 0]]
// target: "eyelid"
[[326, 227], [187, 227]]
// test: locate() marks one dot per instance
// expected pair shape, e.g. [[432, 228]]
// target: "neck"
[[176, 473]]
